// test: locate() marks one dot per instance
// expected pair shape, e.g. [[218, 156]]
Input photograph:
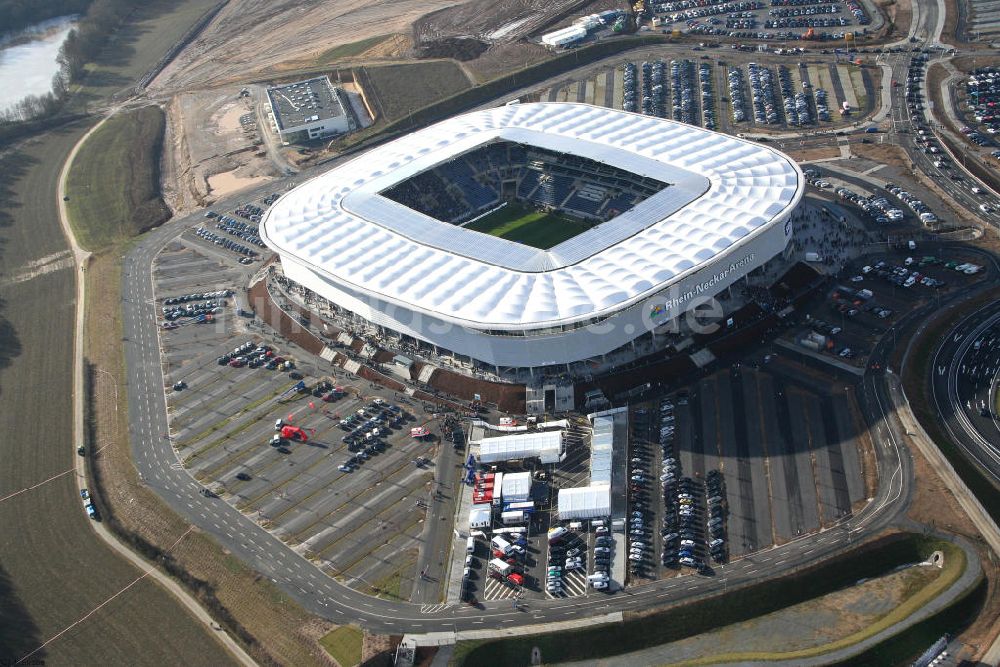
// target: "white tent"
[[479, 516], [601, 449], [516, 487], [585, 502], [546, 445]]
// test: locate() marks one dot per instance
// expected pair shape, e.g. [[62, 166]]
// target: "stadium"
[[535, 235]]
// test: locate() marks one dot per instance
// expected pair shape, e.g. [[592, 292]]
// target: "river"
[[29, 63]]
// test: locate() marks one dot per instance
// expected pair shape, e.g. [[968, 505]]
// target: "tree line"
[[16, 15]]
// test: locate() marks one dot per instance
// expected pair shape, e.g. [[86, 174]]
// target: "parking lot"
[[757, 19], [725, 89], [875, 290], [742, 459], [348, 489]]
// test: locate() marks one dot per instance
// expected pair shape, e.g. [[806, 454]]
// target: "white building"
[[722, 213], [573, 33], [309, 109]]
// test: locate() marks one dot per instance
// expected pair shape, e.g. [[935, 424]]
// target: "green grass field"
[[113, 185], [349, 50], [529, 226], [344, 644]]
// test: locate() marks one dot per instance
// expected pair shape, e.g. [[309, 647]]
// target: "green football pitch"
[[529, 226]]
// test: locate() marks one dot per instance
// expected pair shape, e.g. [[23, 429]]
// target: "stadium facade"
[[413, 269]]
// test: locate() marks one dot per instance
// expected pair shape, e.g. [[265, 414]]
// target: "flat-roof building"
[[309, 109]]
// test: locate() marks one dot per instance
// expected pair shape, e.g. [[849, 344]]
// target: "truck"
[[500, 544], [525, 505], [501, 567], [514, 517]]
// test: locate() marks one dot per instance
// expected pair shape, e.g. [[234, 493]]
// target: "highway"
[[324, 596], [964, 379]]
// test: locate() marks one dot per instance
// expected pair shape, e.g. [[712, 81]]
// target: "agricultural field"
[[137, 46], [53, 565], [113, 186], [402, 89], [529, 226]]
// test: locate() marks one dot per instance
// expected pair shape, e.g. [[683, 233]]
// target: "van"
[[575, 525], [470, 545], [597, 523], [555, 534]]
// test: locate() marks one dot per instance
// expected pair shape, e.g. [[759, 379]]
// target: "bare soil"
[[899, 15], [808, 154], [249, 38], [490, 21], [209, 152]]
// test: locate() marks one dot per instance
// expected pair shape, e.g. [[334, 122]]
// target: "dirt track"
[[256, 35]]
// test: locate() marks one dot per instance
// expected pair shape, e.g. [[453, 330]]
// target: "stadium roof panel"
[[723, 191]]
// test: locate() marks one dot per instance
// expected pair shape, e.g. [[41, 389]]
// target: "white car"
[[599, 584], [602, 550]]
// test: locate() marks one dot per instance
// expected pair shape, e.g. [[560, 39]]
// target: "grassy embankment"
[[647, 630], [344, 644], [115, 193]]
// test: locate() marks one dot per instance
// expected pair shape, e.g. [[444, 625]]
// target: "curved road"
[[324, 596], [964, 377]]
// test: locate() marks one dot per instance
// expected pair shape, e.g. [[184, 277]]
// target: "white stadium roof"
[[722, 192]]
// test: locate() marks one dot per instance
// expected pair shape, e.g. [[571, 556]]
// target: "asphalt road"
[[324, 596], [963, 384]]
